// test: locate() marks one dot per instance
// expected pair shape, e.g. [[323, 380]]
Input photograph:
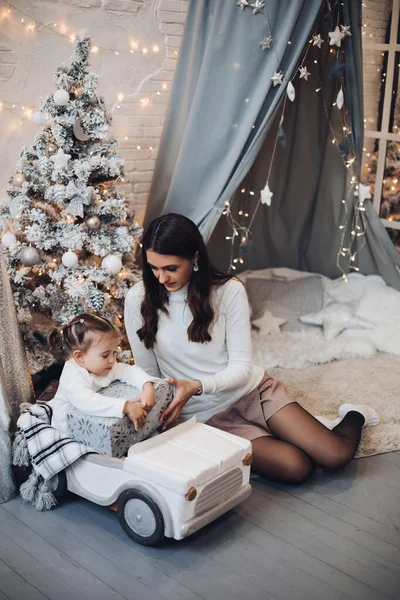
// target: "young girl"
[[89, 343]]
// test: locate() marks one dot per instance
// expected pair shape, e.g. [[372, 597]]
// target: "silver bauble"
[[29, 256], [61, 97], [19, 179], [51, 149], [93, 222]]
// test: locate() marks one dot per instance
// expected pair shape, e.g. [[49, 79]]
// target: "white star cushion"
[[335, 318], [268, 324]]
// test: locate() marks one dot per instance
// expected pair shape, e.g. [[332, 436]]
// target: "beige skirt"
[[248, 416]]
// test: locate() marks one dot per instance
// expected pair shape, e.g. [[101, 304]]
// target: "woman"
[[190, 324]]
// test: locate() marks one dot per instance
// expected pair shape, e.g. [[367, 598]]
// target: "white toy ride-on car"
[[170, 485]]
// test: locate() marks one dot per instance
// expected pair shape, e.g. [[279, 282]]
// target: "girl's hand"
[[184, 390], [147, 397], [135, 413]]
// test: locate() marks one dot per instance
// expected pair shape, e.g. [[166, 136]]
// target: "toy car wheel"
[[58, 485], [140, 517]]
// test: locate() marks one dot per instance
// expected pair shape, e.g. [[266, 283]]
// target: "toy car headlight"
[[248, 459], [191, 494]]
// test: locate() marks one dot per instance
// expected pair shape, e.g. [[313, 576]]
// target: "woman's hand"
[[184, 390]]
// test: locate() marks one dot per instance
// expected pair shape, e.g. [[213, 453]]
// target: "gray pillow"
[[288, 299]]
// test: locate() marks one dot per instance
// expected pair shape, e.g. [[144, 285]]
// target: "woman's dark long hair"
[[176, 235]]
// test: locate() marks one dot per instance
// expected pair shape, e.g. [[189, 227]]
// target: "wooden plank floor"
[[335, 538]]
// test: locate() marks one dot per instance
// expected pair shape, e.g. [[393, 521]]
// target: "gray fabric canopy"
[[221, 126]]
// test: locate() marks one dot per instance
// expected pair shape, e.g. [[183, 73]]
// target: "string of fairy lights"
[[352, 226], [24, 112]]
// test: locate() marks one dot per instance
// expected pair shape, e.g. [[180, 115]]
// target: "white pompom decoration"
[[69, 259], [112, 264], [61, 97], [8, 240], [38, 118]]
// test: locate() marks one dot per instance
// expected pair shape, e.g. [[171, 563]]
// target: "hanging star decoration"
[[336, 69], [258, 7], [345, 29], [266, 195], [242, 4], [277, 78], [336, 37], [363, 193], [60, 159], [304, 74], [79, 195], [266, 43], [317, 40]]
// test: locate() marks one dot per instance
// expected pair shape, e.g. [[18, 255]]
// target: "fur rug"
[[322, 388], [299, 349]]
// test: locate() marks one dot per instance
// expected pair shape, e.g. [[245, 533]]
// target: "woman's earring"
[[196, 266]]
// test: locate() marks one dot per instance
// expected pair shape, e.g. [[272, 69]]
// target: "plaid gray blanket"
[[45, 449], [50, 451]]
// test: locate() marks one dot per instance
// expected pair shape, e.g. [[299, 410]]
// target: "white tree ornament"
[[291, 92], [340, 99], [8, 240], [61, 97], [277, 78], [266, 195], [336, 37], [363, 193], [38, 118], [317, 40], [60, 159], [69, 260], [112, 264], [304, 74]]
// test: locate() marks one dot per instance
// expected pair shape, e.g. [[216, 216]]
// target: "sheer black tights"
[[301, 443]]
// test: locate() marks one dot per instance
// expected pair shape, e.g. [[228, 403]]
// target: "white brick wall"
[[28, 61]]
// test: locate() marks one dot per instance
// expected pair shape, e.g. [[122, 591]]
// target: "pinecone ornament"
[[45, 166], [96, 299]]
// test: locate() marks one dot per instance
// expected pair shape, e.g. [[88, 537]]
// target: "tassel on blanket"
[[20, 452], [29, 489], [45, 499]]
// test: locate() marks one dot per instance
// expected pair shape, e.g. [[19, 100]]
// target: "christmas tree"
[[68, 238]]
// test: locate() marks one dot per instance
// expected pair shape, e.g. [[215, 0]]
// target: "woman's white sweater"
[[224, 365]]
